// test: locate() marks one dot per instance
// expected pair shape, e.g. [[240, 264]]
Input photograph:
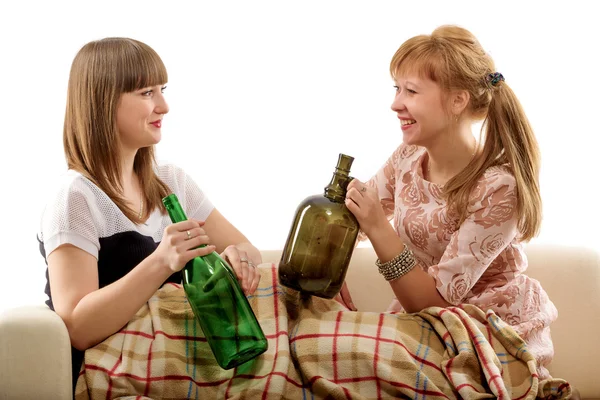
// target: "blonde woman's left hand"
[[245, 269], [363, 202]]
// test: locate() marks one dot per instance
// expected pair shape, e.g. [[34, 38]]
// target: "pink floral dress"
[[480, 262]]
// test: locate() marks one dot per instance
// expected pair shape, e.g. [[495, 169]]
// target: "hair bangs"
[[140, 67], [419, 57]]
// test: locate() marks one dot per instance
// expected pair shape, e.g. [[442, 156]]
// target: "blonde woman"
[[460, 209], [107, 240]]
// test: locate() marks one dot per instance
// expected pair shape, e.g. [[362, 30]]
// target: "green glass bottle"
[[219, 304], [321, 239]]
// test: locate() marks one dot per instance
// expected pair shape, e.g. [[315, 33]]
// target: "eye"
[[409, 91], [150, 92]]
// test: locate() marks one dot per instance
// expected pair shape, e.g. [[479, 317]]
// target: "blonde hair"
[[453, 58], [101, 71]]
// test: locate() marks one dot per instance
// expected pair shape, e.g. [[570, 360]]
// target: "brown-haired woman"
[[107, 240]]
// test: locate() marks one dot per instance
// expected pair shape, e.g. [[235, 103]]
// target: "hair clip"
[[494, 78]]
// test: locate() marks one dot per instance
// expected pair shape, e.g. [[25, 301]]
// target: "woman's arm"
[[383, 183], [417, 289], [92, 314], [235, 248], [232, 245], [488, 230], [224, 234]]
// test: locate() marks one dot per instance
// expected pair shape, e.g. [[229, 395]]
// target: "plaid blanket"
[[317, 350]]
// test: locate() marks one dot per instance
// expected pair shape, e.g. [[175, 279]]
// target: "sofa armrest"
[[36, 355]]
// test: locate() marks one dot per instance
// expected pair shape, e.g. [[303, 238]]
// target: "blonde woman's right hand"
[[179, 244]]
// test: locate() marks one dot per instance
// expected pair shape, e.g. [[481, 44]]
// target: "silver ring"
[[363, 189], [189, 234], [250, 263]]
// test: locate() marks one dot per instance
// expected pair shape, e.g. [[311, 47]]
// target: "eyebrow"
[[410, 83]]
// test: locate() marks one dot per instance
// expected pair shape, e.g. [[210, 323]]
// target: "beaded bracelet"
[[397, 266]]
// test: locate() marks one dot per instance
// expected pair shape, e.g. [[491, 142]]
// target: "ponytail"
[[509, 139]]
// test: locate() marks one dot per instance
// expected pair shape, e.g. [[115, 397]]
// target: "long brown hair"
[[453, 58], [101, 71]]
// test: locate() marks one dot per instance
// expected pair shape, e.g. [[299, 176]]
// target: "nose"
[[161, 106], [398, 103]]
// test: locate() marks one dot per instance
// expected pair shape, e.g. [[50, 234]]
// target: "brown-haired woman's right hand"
[[180, 243]]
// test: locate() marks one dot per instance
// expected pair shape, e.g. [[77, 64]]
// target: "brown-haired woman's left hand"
[[363, 202], [245, 269]]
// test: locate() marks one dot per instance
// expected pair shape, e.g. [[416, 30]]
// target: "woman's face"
[[419, 105], [139, 117]]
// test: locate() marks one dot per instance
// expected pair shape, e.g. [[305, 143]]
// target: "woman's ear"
[[459, 100]]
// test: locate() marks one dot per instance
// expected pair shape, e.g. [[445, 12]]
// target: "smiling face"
[[139, 117], [114, 97], [420, 105]]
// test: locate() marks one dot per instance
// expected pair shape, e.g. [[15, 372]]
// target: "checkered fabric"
[[317, 350]]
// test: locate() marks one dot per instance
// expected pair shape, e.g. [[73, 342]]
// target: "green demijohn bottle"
[[219, 304], [321, 240]]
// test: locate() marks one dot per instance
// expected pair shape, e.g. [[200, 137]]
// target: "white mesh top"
[[81, 214]]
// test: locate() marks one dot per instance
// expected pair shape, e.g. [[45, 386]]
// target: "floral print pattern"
[[480, 262]]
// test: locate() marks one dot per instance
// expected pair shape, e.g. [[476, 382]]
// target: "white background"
[[265, 95]]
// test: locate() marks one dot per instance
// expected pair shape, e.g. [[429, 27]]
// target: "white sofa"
[[35, 349]]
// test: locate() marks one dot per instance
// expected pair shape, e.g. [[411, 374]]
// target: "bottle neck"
[[336, 190]]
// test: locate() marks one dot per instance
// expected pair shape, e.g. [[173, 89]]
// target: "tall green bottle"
[[321, 239], [219, 304]]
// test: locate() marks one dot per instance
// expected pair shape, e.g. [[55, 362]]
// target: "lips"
[[157, 123]]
